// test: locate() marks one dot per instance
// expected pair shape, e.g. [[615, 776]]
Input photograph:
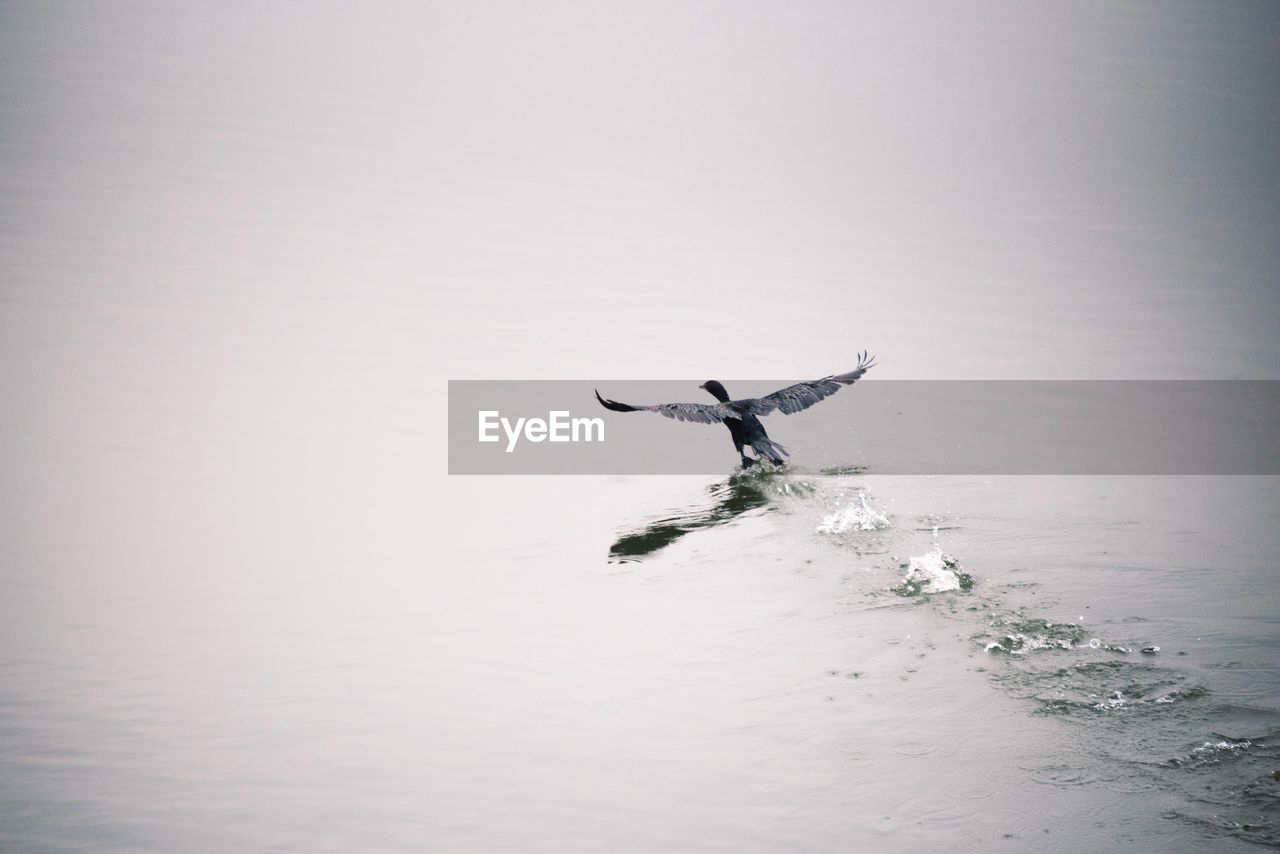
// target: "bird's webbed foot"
[[747, 462]]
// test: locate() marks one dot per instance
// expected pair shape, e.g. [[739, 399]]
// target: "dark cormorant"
[[742, 417]]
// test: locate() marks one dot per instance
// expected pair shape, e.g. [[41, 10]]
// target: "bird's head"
[[716, 390]]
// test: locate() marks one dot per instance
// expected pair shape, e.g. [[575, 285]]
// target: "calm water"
[[242, 607]]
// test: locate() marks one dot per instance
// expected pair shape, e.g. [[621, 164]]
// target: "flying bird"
[[742, 417]]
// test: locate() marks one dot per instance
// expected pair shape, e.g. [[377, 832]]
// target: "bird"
[[742, 417]]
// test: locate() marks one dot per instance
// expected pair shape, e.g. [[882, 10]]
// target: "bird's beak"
[[703, 386]]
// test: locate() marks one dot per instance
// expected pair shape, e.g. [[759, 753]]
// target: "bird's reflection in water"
[[740, 494]]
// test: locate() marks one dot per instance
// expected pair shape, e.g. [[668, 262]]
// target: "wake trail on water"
[[1132, 712]]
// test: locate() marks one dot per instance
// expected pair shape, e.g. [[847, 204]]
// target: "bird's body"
[[742, 417], [744, 427]]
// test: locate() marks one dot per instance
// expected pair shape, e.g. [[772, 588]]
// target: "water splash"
[[1030, 634], [1211, 753], [858, 516], [1115, 701], [933, 572]]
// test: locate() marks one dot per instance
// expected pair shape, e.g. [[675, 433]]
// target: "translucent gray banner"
[[883, 427]]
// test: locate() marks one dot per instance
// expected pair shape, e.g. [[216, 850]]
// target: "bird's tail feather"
[[767, 449]]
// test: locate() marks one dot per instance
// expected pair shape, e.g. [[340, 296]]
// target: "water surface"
[[242, 607]]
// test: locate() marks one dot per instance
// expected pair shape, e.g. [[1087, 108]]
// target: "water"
[[242, 607], [1003, 680]]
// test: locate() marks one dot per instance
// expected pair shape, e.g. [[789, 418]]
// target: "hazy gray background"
[[243, 247]]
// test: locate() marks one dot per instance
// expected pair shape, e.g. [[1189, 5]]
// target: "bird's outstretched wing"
[[800, 396], [702, 413]]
